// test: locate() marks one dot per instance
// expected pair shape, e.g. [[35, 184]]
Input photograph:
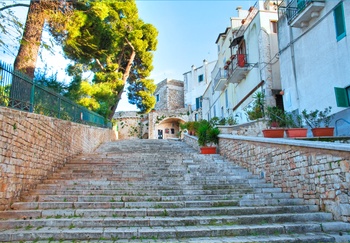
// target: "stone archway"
[[170, 127]]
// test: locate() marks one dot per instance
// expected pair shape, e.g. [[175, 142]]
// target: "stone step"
[[128, 211], [114, 233], [162, 191], [165, 221], [280, 238], [155, 194]]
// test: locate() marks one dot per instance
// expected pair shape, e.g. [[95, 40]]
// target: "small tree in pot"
[[207, 137], [319, 121]]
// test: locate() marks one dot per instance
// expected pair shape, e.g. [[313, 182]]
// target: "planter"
[[273, 133], [208, 150], [296, 132], [323, 131]]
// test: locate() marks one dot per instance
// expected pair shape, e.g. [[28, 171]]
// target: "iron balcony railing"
[[20, 92], [294, 8], [220, 76]]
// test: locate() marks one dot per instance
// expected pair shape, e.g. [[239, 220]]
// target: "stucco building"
[[247, 63], [314, 58]]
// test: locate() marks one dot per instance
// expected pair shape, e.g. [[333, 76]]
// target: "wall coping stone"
[[294, 142]]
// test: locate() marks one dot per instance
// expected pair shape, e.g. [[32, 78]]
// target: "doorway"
[[160, 134]]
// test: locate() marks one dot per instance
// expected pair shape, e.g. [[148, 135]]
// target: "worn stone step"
[[148, 191], [75, 233], [281, 238], [165, 221], [161, 191], [156, 211]]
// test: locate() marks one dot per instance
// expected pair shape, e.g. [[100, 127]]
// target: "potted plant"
[[319, 121], [257, 111], [276, 122], [207, 137], [295, 127]]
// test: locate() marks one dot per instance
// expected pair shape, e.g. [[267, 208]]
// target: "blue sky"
[[187, 34]]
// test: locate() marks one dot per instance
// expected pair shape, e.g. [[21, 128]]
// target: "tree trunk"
[[25, 62], [28, 51], [125, 77]]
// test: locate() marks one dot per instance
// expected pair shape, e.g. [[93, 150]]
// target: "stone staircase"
[[162, 191]]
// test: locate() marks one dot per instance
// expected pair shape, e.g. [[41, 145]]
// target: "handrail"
[[17, 91], [336, 125]]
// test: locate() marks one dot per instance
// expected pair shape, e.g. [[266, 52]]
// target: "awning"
[[236, 40]]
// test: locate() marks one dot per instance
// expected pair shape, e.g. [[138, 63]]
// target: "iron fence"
[[17, 91]]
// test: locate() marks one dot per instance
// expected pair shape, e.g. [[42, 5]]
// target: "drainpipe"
[[293, 64]]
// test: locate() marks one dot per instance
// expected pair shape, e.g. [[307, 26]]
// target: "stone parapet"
[[317, 172], [33, 146]]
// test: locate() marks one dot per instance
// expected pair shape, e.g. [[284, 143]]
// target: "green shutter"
[[341, 97], [339, 22]]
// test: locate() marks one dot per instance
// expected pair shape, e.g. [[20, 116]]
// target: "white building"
[[247, 63], [196, 82], [315, 57]]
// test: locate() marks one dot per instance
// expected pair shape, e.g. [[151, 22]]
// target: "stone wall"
[[253, 128], [315, 171], [131, 125], [171, 95], [33, 146]]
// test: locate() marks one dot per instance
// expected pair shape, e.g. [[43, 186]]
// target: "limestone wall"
[[33, 146], [315, 171]]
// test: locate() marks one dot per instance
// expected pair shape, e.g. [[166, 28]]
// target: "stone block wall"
[[33, 146], [317, 172]]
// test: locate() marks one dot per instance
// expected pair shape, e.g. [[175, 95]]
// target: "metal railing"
[[17, 91], [221, 74], [294, 8]]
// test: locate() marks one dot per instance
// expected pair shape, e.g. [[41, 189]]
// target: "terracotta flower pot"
[[208, 150], [273, 133], [296, 132], [323, 131]]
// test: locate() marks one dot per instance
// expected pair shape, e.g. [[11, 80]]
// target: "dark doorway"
[[160, 134]]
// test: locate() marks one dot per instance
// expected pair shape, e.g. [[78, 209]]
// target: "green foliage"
[[214, 121], [293, 121], [231, 121], [257, 111], [141, 94], [276, 116], [108, 39], [42, 77], [207, 134], [317, 118], [222, 121]]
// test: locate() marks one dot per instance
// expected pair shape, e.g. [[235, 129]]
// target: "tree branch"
[[14, 5], [99, 64]]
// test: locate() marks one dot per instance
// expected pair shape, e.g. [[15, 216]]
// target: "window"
[[172, 131], [157, 97], [339, 21], [342, 96], [273, 26], [198, 102], [226, 98], [200, 78]]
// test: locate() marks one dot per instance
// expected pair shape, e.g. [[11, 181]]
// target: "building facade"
[[247, 63], [196, 82], [315, 58], [163, 122]]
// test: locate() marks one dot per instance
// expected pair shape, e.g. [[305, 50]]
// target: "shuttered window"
[[198, 102], [342, 96], [339, 21]]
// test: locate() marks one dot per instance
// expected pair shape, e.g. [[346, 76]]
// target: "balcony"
[[300, 12], [237, 69], [220, 80]]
